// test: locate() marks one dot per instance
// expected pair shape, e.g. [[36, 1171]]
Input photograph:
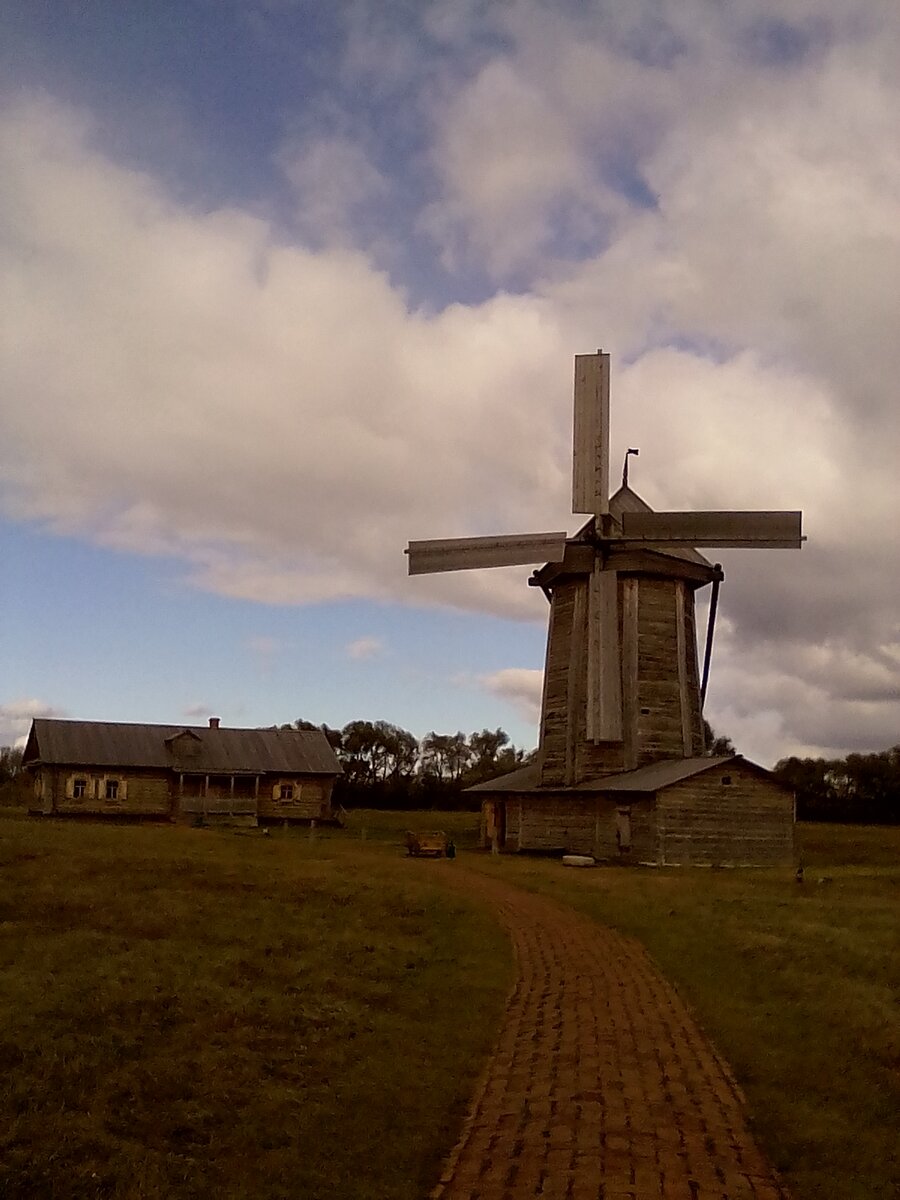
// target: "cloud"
[[336, 188], [16, 717], [520, 687], [364, 647]]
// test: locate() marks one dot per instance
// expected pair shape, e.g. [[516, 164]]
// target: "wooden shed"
[[117, 769], [678, 812]]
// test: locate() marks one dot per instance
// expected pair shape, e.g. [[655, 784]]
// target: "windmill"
[[621, 682]]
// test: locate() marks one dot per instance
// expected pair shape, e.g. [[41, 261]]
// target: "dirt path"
[[601, 1086]]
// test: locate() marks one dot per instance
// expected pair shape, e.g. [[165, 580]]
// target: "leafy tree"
[[10, 763], [445, 755]]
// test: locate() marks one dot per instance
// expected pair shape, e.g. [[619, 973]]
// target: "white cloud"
[[364, 647], [16, 717], [519, 686], [335, 185]]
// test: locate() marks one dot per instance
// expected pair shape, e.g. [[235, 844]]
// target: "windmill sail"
[[463, 554], [769, 530], [590, 459]]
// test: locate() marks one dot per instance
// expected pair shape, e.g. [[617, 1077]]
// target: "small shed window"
[[79, 788], [286, 791], [726, 779], [112, 789]]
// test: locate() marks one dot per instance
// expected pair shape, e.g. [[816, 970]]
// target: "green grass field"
[[198, 1013], [194, 1013]]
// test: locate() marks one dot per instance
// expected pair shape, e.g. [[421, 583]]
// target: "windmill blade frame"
[[466, 554], [590, 443], [761, 530]]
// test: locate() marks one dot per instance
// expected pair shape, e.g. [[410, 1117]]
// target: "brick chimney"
[[214, 722]]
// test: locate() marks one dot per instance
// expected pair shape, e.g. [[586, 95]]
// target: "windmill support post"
[[710, 631]]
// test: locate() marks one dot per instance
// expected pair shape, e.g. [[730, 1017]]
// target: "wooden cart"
[[426, 845]]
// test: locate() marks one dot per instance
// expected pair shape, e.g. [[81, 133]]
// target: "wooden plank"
[[630, 670], [464, 554], [590, 455], [777, 530], [575, 691], [681, 656], [604, 712]]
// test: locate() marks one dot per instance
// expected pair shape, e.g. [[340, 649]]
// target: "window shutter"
[[70, 787], [276, 791], [123, 789]]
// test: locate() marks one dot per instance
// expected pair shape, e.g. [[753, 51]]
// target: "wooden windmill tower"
[[622, 685]]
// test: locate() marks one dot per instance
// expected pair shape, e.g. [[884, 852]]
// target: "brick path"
[[601, 1086]]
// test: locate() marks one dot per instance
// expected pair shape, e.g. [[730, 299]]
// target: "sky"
[[284, 285]]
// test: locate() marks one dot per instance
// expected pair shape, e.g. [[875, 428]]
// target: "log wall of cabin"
[[139, 794], [642, 819], [704, 821], [311, 799], [555, 822], [513, 823]]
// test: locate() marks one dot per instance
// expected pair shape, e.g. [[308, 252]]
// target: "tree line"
[[861, 788], [389, 767]]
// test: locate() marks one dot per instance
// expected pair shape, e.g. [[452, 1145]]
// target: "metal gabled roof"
[[651, 778], [180, 747], [656, 775], [523, 779]]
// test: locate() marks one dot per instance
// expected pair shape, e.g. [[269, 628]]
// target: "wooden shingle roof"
[[180, 747]]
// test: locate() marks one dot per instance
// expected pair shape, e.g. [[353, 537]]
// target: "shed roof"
[[121, 744], [655, 775], [651, 778], [523, 779]]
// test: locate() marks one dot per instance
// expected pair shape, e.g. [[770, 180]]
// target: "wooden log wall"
[[642, 821], [748, 821], [668, 698], [311, 799], [660, 681], [567, 756], [556, 822], [139, 794]]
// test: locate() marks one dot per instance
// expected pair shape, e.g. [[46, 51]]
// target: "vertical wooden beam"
[[710, 630], [542, 733], [575, 683], [683, 693], [630, 671], [604, 714], [590, 459]]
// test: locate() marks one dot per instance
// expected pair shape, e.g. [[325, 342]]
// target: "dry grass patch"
[[190, 1013]]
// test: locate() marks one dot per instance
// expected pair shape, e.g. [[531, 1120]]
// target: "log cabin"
[[704, 811], [113, 769]]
